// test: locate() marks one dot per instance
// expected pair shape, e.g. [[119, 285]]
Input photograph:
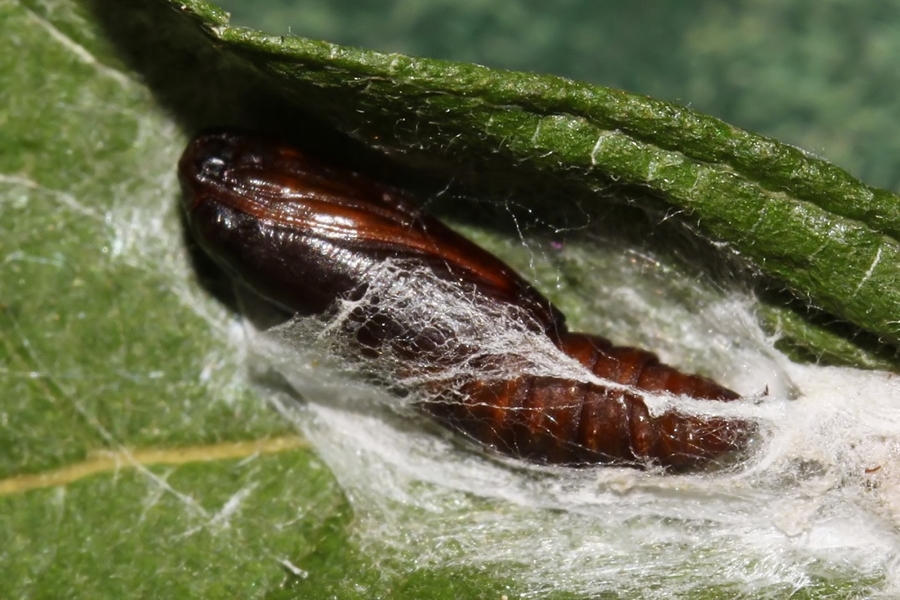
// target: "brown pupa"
[[304, 235]]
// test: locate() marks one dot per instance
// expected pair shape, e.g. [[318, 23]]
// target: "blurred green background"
[[820, 74]]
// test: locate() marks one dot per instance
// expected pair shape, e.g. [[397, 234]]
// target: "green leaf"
[[107, 346], [137, 456], [825, 234]]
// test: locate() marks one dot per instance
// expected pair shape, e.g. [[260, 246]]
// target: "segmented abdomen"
[[561, 421], [638, 368]]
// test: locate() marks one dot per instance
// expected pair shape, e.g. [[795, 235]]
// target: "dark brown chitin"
[[304, 235], [560, 421]]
